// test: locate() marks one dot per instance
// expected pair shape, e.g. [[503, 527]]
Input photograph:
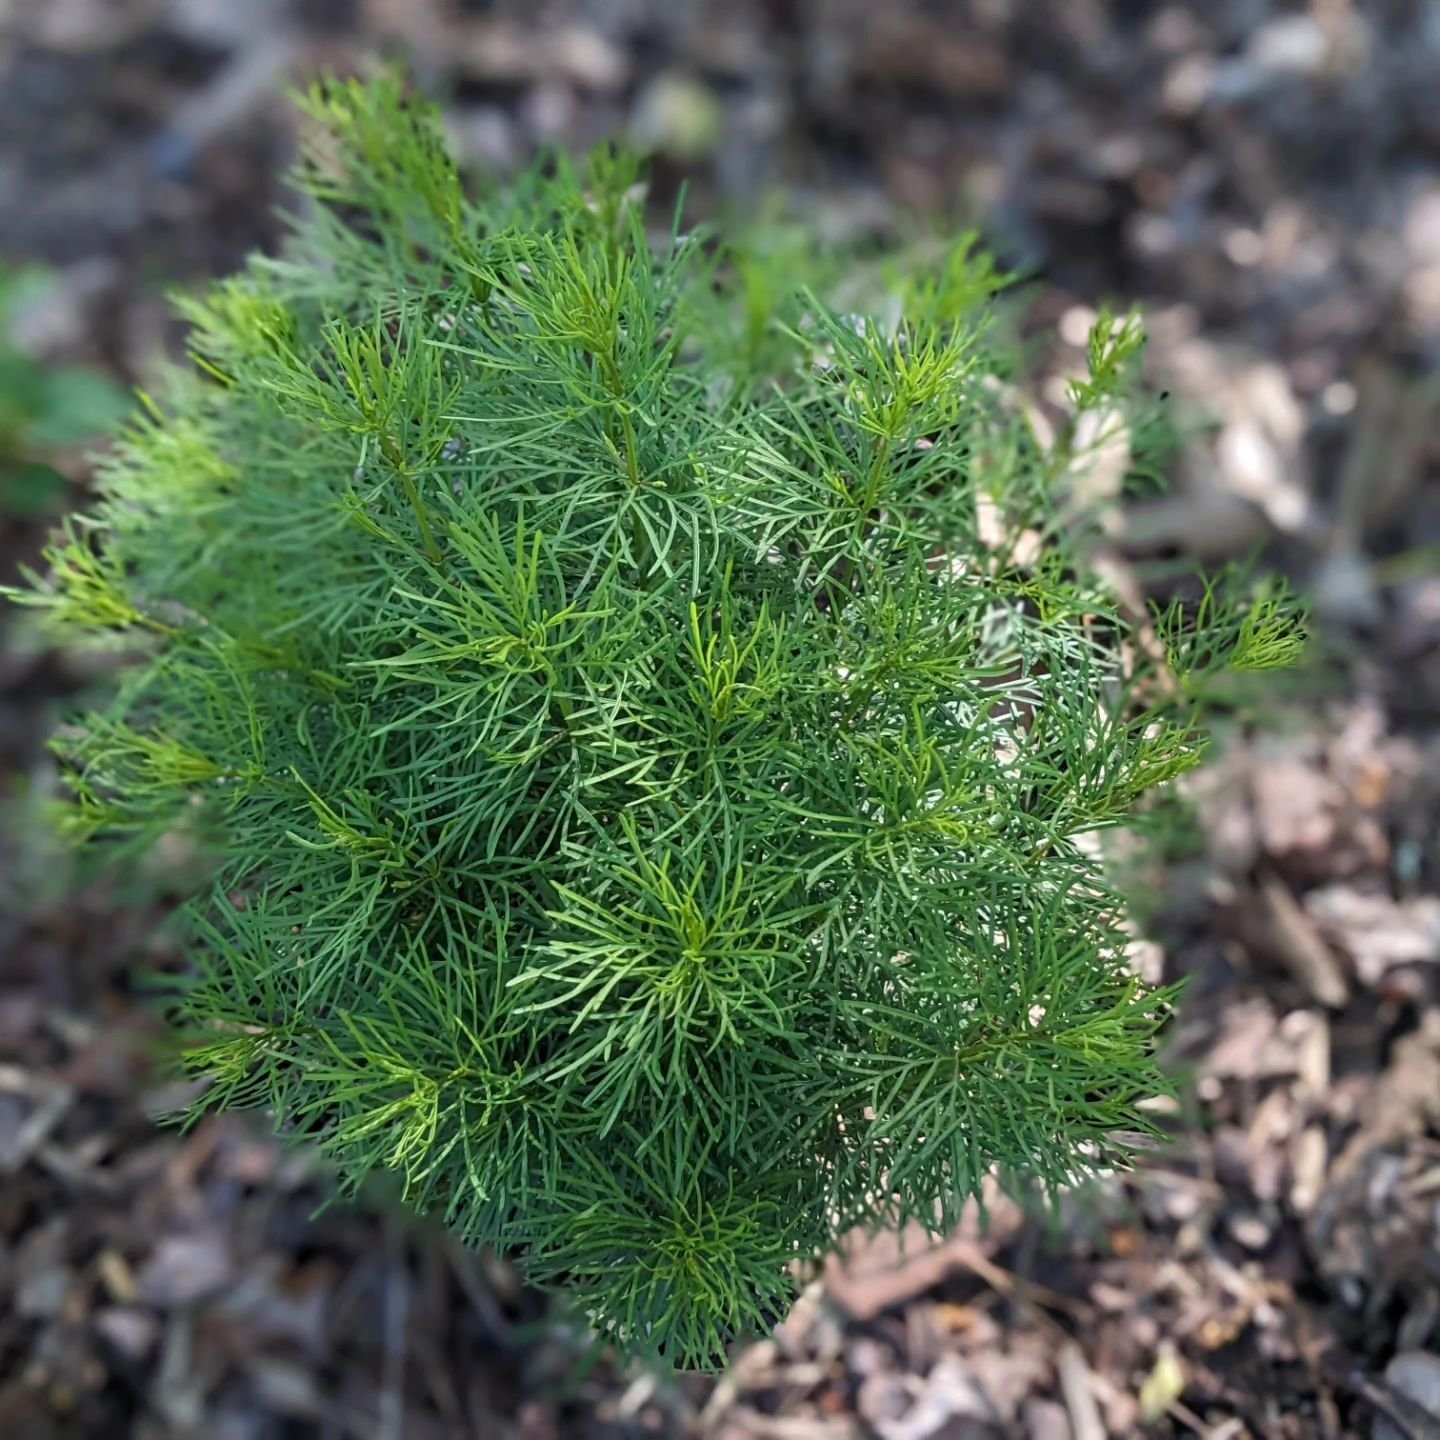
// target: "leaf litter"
[[1274, 1271]]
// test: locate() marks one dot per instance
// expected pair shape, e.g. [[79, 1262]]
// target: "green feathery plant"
[[647, 793]]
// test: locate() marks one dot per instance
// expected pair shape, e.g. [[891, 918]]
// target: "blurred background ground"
[[1264, 178]]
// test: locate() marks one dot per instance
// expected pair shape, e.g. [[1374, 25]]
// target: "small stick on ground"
[[1075, 1386]]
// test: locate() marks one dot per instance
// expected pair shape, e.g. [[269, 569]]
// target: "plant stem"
[[396, 457]]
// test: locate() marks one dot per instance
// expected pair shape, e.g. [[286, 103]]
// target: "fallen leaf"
[[1164, 1385]]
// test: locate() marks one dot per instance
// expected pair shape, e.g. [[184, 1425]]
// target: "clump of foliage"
[[648, 776], [43, 408]]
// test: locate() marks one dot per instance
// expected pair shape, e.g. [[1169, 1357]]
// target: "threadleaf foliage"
[[647, 777]]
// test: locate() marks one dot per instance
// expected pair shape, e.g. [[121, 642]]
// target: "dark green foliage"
[[649, 814]]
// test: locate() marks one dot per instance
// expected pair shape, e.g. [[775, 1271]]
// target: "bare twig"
[[1075, 1386], [1298, 945], [52, 1102], [1409, 1417]]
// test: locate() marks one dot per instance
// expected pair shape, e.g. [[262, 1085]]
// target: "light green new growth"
[[649, 814]]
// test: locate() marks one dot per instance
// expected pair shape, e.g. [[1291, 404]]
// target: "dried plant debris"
[[162, 1284], [1261, 176]]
